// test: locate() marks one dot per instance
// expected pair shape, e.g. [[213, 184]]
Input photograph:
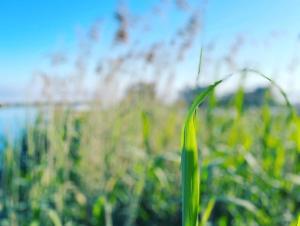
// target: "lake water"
[[12, 121]]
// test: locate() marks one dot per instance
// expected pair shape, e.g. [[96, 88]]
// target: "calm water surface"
[[12, 122]]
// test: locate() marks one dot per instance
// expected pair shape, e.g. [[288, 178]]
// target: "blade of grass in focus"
[[189, 163]]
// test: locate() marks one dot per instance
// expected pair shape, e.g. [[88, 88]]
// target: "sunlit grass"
[[190, 163]]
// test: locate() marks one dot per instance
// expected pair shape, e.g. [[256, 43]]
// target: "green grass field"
[[121, 165]]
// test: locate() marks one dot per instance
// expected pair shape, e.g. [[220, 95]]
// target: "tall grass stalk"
[[190, 174]]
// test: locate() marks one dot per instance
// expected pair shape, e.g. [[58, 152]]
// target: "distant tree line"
[[253, 98]]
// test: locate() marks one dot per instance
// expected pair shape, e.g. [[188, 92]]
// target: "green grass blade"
[[189, 163], [208, 211], [199, 65]]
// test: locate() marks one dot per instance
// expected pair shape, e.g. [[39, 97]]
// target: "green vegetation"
[[190, 165], [120, 165]]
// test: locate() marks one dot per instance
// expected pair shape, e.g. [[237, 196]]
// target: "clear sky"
[[31, 29]]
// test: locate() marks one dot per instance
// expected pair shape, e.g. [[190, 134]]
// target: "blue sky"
[[31, 29]]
